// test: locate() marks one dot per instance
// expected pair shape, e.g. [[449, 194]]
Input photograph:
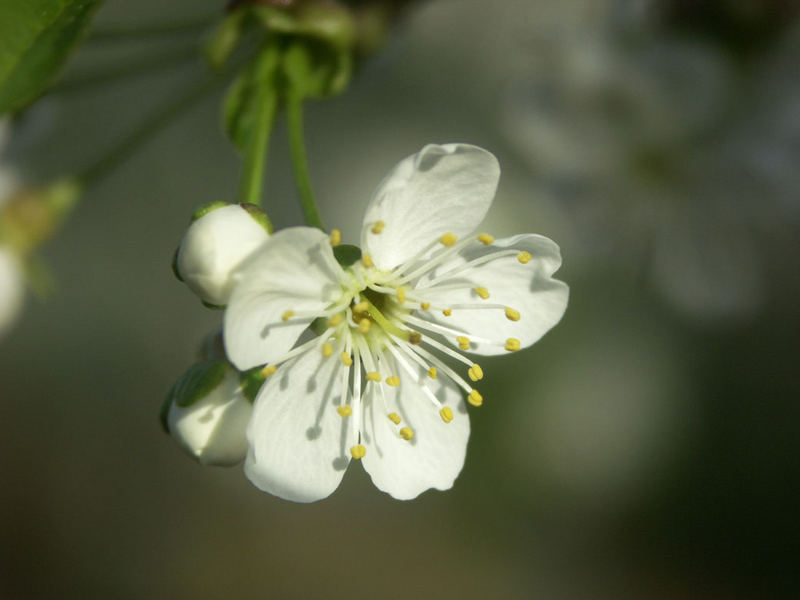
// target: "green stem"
[[114, 33], [297, 148], [150, 126], [255, 156], [131, 68]]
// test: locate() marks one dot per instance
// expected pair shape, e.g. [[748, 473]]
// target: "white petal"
[[527, 288], [294, 270], [213, 247], [433, 458], [441, 189], [299, 445], [213, 429], [12, 289]]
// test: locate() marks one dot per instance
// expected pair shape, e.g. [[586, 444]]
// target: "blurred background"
[[644, 448]]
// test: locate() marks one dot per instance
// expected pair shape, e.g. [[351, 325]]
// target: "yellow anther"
[[364, 325], [512, 344], [448, 239], [378, 227], [401, 295], [367, 260], [432, 372], [268, 370], [335, 320], [475, 372], [336, 237], [361, 307], [463, 342], [347, 360], [475, 398], [511, 314], [393, 381], [425, 305], [287, 315], [406, 433], [327, 350], [485, 239], [524, 256], [373, 376], [482, 292], [345, 411], [447, 414], [394, 418], [447, 312], [358, 451]]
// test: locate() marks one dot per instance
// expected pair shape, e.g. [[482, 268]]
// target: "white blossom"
[[372, 385], [213, 246], [212, 429]]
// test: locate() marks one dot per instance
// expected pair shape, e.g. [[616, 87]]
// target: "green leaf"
[[225, 38], [198, 382], [35, 39], [255, 84]]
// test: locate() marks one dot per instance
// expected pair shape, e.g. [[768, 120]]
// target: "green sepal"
[[316, 70], [251, 381], [255, 83], [197, 382], [224, 39], [207, 208], [36, 37], [347, 254], [327, 22], [174, 265], [258, 215], [212, 306]]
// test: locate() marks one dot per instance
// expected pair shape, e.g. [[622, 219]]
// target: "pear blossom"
[[372, 383], [212, 430], [12, 280], [219, 238]]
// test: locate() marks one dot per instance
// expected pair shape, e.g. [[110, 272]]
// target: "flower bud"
[[214, 245], [211, 428], [12, 288]]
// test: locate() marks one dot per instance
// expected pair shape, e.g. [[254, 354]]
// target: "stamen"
[[511, 314], [475, 372], [447, 312], [425, 305], [432, 372], [406, 433], [327, 350], [373, 376], [439, 365], [358, 451], [393, 381], [412, 372], [485, 239], [524, 256], [287, 315], [447, 414], [364, 325], [378, 227], [475, 262], [347, 361], [463, 342], [269, 370], [394, 418], [366, 259], [512, 344], [475, 398], [335, 320], [401, 295], [482, 292], [448, 239], [336, 237], [345, 411], [361, 307]]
